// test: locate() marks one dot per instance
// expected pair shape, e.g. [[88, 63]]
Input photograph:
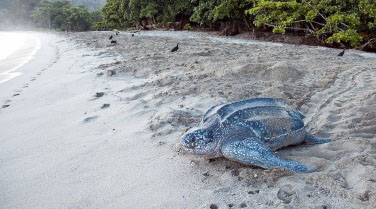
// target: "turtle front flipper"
[[251, 151], [310, 138]]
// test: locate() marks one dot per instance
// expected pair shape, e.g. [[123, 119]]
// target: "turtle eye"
[[208, 136]]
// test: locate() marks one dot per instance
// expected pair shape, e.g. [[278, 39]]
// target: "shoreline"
[[96, 125], [22, 55]]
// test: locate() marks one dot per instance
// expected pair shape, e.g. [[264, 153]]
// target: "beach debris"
[[105, 106], [16, 94], [113, 42], [341, 53], [230, 205], [6, 105], [285, 193], [364, 196], [243, 205], [213, 206], [99, 94], [132, 35], [254, 192], [110, 38], [249, 131], [175, 48]]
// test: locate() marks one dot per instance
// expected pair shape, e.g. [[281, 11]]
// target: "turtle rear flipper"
[[310, 138], [251, 151]]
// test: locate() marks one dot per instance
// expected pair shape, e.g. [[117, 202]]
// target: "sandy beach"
[[94, 125], [17, 48]]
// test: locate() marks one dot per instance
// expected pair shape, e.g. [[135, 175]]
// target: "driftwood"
[[371, 41]]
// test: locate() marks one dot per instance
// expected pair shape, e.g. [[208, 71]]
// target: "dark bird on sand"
[[113, 42], [117, 33], [175, 48], [342, 53], [110, 37], [132, 35]]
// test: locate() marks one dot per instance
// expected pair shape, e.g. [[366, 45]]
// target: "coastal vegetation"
[[349, 22], [57, 15], [62, 15]]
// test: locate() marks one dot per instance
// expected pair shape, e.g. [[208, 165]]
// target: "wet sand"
[[18, 48], [99, 127]]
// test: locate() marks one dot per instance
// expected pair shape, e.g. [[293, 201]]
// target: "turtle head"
[[199, 141]]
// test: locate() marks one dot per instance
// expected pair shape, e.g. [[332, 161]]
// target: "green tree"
[[333, 20], [129, 13], [62, 15], [207, 13]]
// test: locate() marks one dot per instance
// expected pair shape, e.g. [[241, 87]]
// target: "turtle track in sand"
[[346, 112], [336, 110]]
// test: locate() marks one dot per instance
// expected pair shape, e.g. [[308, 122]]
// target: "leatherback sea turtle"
[[249, 131]]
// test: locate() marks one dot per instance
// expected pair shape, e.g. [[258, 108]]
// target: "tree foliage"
[[128, 13], [16, 12], [207, 13], [62, 15], [350, 21], [52, 14]]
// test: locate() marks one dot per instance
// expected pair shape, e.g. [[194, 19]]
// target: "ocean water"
[[16, 49]]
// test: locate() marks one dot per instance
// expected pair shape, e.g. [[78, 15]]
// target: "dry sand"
[[96, 125]]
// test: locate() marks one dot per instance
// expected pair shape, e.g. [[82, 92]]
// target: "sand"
[[16, 50], [95, 125]]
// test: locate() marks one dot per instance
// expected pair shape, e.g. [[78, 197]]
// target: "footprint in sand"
[[6, 104], [104, 106], [99, 94], [90, 119]]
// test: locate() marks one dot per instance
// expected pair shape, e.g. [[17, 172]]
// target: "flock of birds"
[[111, 38]]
